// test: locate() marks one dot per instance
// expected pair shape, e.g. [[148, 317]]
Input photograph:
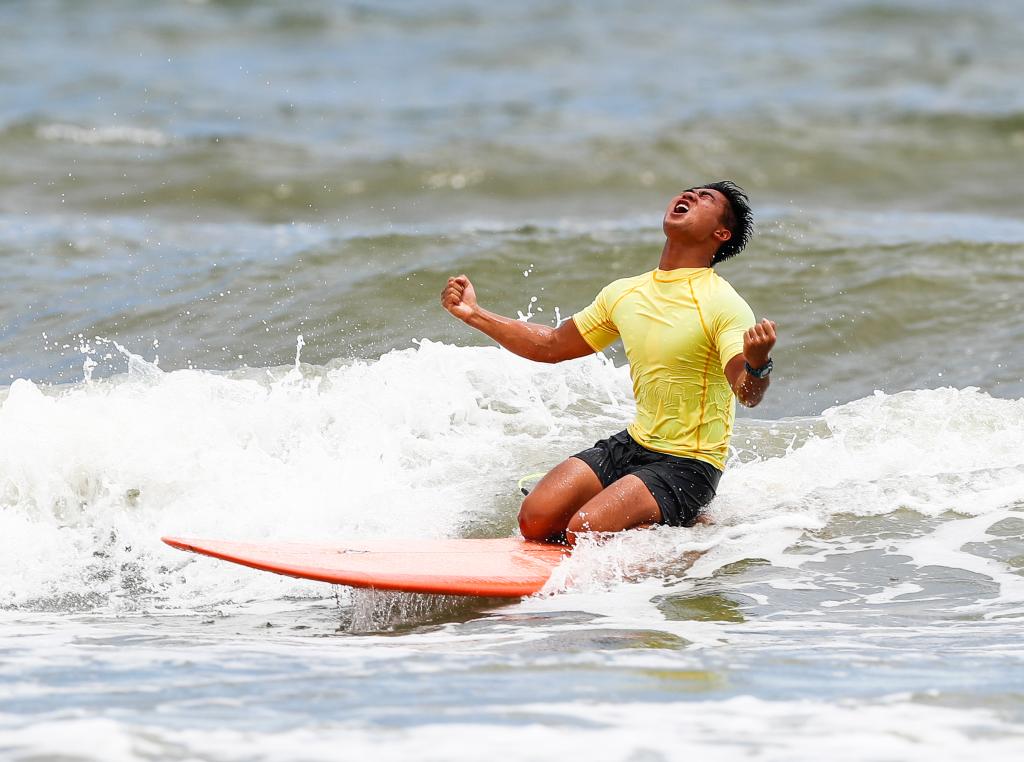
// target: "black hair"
[[739, 219]]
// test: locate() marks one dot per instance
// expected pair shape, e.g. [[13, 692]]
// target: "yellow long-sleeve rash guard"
[[680, 328]]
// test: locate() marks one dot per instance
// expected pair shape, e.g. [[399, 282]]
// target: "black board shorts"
[[680, 486]]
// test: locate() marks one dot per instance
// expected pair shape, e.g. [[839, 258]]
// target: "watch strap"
[[761, 372]]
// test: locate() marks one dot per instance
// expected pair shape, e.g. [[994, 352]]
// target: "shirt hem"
[[711, 460]]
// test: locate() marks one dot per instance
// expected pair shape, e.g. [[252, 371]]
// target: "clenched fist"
[[758, 342], [459, 298]]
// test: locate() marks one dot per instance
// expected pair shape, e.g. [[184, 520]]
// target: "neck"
[[678, 254]]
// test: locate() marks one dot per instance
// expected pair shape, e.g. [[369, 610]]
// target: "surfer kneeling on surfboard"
[[693, 348]]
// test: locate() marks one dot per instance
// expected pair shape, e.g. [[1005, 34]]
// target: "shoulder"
[[724, 300], [721, 290], [617, 289], [623, 285]]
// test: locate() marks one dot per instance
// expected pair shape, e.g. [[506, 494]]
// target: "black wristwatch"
[[761, 372]]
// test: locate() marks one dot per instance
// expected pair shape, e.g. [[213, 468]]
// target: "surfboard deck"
[[508, 568]]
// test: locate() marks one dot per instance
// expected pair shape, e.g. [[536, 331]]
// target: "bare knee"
[[561, 492], [535, 519]]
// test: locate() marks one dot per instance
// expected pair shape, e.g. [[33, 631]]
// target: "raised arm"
[[757, 346], [534, 342]]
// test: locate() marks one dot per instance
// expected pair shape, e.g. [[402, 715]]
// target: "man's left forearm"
[[758, 342], [750, 389]]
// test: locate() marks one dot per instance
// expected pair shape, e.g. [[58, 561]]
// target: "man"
[[693, 347]]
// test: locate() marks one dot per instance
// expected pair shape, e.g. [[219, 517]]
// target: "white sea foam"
[[74, 133], [417, 443], [858, 731], [428, 442], [953, 458]]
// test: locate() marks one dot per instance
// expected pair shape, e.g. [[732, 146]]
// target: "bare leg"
[[623, 505], [556, 498]]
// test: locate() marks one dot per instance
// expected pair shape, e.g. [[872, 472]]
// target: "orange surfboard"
[[508, 568]]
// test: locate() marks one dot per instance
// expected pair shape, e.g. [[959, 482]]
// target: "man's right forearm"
[[527, 340]]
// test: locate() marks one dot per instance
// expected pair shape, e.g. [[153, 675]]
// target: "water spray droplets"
[[529, 310], [525, 317]]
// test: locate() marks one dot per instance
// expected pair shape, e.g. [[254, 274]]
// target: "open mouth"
[[681, 208]]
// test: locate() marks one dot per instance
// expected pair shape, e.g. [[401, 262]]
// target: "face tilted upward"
[[696, 215]]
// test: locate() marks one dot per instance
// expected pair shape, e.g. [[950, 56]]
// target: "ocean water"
[[224, 228]]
